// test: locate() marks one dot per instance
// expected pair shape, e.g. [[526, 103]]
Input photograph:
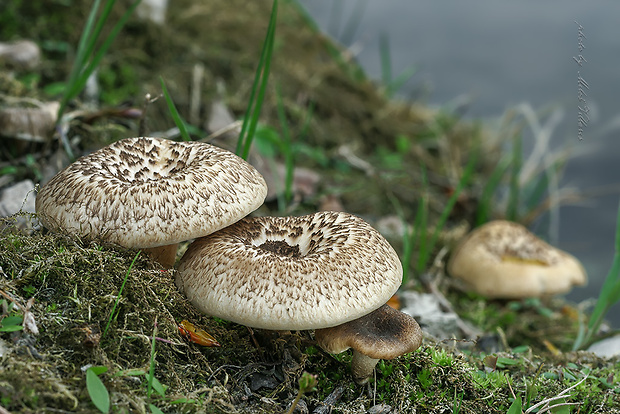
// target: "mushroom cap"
[[148, 192], [503, 259], [386, 333], [291, 273]]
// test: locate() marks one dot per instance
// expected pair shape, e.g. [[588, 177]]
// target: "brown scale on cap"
[[511, 240], [150, 192], [291, 273]]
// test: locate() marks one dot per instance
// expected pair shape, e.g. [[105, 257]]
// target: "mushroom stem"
[[362, 367], [164, 255]]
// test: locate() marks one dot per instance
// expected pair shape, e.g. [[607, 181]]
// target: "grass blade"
[[155, 410], [421, 224], [410, 237], [179, 122], [151, 373], [343, 60], [420, 216], [609, 295], [119, 294], [250, 119], [516, 406], [386, 59], [401, 79], [465, 179], [97, 391], [391, 84], [83, 76], [335, 16], [513, 198], [286, 148], [85, 39], [486, 199], [353, 22], [82, 68]]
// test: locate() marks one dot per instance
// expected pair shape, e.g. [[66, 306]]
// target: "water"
[[495, 55]]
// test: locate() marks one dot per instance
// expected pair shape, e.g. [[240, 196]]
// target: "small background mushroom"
[[502, 259]]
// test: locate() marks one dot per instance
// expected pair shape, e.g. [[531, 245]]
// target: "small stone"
[[380, 409], [5, 348], [260, 380], [425, 308], [20, 54], [18, 198], [606, 348], [153, 10], [392, 227]]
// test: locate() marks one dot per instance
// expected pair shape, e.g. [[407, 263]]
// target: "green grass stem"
[[419, 226], [179, 122], [386, 59], [426, 249], [391, 84], [120, 292], [513, 198], [151, 374], [353, 22], [486, 199], [609, 296], [86, 59], [257, 95], [286, 148]]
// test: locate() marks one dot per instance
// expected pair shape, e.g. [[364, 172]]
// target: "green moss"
[[118, 83]]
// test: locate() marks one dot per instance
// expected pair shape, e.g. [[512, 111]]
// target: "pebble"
[[606, 348], [20, 54], [17, 198], [380, 409], [153, 10], [425, 308]]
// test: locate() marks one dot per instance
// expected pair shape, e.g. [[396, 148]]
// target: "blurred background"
[[482, 58]]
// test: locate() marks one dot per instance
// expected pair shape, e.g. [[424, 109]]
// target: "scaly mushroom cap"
[[386, 333], [291, 273], [148, 192], [502, 259]]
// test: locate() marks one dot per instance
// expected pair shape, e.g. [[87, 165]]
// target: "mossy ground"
[[76, 284]]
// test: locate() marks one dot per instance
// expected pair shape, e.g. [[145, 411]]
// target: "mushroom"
[[386, 333], [291, 273], [151, 193], [504, 260], [317, 271]]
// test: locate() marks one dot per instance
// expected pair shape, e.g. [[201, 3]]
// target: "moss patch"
[[76, 286]]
